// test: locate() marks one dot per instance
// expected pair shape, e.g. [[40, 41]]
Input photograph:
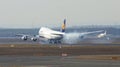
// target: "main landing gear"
[[54, 41]]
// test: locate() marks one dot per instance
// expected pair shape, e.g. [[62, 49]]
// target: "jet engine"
[[24, 37], [102, 35], [81, 37], [34, 38]]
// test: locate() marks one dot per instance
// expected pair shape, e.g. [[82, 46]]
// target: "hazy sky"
[[50, 13]]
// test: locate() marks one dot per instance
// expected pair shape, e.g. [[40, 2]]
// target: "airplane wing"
[[99, 34], [26, 37], [94, 32]]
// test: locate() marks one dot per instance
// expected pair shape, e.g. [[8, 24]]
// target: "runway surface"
[[53, 61], [36, 55], [17, 53], [56, 50]]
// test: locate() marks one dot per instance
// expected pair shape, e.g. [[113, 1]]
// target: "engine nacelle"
[[102, 35], [24, 37], [34, 39], [81, 37]]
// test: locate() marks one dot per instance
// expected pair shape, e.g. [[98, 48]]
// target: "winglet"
[[102, 34]]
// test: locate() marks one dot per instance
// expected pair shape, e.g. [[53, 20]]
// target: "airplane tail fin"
[[64, 25]]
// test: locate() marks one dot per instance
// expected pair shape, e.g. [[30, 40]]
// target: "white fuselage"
[[50, 34]]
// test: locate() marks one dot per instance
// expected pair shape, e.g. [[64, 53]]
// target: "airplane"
[[56, 37]]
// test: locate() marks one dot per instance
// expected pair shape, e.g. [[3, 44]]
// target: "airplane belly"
[[47, 36], [56, 37]]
